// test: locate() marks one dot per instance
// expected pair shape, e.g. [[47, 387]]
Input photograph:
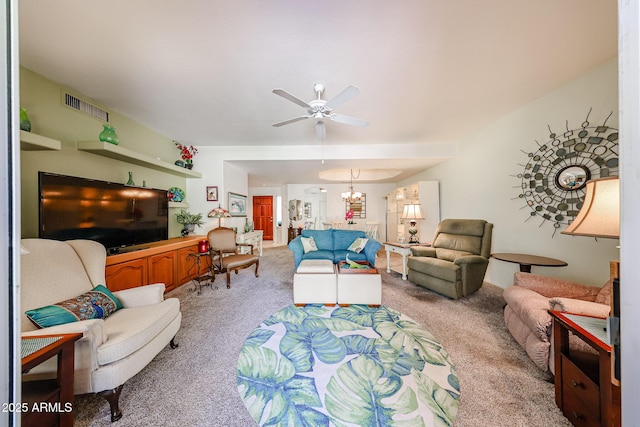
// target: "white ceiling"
[[202, 71]]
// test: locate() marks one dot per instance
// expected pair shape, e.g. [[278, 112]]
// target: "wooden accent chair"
[[224, 253]]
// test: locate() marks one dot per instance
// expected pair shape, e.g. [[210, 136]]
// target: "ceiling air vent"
[[83, 106]]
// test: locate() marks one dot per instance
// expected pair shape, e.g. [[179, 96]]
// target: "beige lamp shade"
[[600, 213], [412, 212]]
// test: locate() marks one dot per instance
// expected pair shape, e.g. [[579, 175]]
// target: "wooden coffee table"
[[526, 261]]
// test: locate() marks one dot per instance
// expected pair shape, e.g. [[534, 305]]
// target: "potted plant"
[[189, 221]]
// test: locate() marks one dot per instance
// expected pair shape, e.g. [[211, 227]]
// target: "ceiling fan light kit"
[[320, 109]]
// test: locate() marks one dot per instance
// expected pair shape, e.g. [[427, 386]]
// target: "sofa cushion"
[[319, 254], [358, 245], [323, 238], [604, 296], [95, 304], [130, 329], [342, 239], [308, 244]]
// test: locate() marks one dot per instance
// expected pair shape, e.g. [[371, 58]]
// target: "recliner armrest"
[[470, 259], [423, 251], [576, 306], [141, 295]]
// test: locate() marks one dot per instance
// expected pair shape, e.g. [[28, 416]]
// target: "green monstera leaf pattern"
[[346, 366]]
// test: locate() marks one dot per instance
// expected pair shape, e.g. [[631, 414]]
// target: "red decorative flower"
[[187, 152], [348, 215]]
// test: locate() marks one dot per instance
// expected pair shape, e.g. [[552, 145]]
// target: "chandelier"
[[351, 195]]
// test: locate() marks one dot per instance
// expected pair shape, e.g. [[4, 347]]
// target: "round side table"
[[527, 261]]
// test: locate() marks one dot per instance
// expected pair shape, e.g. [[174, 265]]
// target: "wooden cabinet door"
[[126, 275], [186, 266], [263, 216], [162, 269]]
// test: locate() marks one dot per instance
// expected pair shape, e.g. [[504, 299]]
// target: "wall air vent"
[[85, 107]]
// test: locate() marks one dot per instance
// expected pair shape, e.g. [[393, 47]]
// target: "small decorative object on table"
[[187, 152], [189, 221], [348, 216], [130, 181], [109, 135], [203, 246], [25, 123]]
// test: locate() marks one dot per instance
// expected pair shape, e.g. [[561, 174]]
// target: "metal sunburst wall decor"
[[554, 178]]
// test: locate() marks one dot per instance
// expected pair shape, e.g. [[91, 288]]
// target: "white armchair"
[[112, 349]]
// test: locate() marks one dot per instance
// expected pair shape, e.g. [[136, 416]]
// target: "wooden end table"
[[526, 261], [583, 382], [52, 400]]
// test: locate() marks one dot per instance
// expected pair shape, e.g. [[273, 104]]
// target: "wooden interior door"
[[263, 216]]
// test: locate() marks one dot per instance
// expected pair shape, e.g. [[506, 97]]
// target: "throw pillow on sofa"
[[308, 244], [358, 245], [98, 303]]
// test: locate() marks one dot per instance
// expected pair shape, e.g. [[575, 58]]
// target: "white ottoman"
[[315, 282], [357, 286]]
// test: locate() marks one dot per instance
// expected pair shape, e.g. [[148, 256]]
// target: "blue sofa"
[[332, 245]]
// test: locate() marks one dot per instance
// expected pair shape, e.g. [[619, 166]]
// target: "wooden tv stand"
[[159, 262]]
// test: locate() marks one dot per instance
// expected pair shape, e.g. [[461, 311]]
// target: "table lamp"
[[219, 213], [412, 212], [600, 212], [600, 217]]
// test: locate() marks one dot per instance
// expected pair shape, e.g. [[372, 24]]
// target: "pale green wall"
[[481, 182], [50, 118]]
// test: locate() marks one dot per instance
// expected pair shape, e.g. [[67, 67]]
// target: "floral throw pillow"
[[308, 244], [358, 245], [98, 303]]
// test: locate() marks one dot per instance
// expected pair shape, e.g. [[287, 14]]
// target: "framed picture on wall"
[[237, 204], [212, 194]]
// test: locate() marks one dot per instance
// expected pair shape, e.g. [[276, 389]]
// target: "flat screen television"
[[113, 214]]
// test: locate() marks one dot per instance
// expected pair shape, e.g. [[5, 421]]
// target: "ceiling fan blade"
[[348, 120], [344, 96], [286, 122], [320, 130], [287, 95]]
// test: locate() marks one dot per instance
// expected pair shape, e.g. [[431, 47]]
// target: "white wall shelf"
[[33, 142], [116, 152]]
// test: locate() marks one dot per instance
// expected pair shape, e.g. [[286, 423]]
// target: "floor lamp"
[[412, 212]]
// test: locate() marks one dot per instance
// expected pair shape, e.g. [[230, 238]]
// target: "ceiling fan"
[[320, 109]]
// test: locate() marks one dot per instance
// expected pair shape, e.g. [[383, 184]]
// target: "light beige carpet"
[[195, 384]]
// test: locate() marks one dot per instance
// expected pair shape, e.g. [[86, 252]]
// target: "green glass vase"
[[25, 123], [109, 135]]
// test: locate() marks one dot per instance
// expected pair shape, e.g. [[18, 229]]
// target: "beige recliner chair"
[[457, 260], [112, 349]]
